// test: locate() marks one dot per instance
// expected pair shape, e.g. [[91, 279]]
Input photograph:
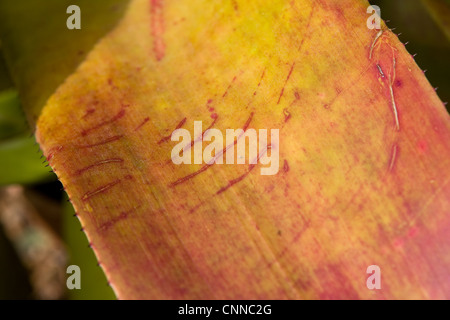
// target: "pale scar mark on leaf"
[[377, 42], [394, 152], [378, 35], [388, 77]]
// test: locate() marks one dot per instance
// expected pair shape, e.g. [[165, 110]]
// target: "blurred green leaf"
[[12, 118], [93, 280], [20, 163], [39, 49]]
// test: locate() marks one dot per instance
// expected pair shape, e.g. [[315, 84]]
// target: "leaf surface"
[[364, 154]]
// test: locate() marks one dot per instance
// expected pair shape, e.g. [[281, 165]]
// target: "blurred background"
[[40, 234]]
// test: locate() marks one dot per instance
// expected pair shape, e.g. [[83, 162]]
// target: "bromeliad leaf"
[[364, 151]]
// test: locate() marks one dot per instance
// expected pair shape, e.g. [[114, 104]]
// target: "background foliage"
[[423, 24]]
